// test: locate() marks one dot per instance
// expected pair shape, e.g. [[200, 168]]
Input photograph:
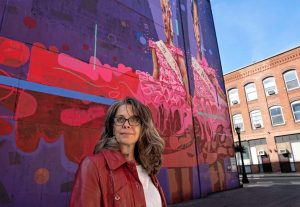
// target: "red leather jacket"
[[108, 180]]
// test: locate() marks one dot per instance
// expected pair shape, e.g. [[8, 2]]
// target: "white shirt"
[[152, 195]]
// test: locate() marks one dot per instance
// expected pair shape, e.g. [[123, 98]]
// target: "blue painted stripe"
[[22, 84], [9, 81]]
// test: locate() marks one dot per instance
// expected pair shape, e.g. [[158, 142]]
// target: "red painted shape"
[[13, 53], [7, 99], [27, 105], [29, 22], [5, 127], [46, 123], [65, 47], [53, 48], [78, 117], [115, 59], [85, 47], [64, 71]]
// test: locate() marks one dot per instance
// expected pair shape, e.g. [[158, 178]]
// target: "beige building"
[[264, 101]]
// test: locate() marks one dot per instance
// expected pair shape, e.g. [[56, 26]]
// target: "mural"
[[62, 63]]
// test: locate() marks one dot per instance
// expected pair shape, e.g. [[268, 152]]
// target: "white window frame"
[[286, 81], [271, 87], [256, 118], [240, 124], [248, 91], [298, 112], [273, 107], [233, 95]]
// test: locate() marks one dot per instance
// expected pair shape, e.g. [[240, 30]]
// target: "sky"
[[252, 30]]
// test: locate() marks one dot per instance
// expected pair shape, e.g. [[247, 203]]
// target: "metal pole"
[[245, 179]]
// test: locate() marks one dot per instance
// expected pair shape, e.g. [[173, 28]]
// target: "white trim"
[[240, 117], [247, 92], [258, 120], [234, 97], [295, 102], [267, 90], [295, 73], [281, 115]]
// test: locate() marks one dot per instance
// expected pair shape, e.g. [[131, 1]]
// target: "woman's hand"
[[189, 99]]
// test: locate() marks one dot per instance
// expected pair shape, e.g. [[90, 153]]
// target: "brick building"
[[264, 101]]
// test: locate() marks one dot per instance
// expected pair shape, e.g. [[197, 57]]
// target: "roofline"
[[280, 53]]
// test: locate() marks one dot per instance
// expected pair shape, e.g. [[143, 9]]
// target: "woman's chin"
[[126, 143]]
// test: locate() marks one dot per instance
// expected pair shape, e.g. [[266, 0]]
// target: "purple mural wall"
[[63, 62]]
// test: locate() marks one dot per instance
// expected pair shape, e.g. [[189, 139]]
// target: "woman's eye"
[[135, 119], [120, 119]]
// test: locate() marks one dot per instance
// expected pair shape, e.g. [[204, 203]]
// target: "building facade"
[[264, 101], [63, 63]]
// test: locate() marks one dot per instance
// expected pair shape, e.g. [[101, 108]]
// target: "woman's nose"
[[126, 124]]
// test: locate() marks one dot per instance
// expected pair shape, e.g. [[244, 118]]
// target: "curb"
[[272, 175]]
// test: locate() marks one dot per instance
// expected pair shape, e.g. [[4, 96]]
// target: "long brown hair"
[[166, 13], [148, 149], [196, 26]]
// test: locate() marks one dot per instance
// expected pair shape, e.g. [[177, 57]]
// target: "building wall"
[[63, 63], [274, 66]]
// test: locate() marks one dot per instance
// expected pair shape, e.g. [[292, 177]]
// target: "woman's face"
[[196, 25], [129, 132], [167, 19]]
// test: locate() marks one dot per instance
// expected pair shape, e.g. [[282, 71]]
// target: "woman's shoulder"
[[178, 51], [113, 158], [152, 43], [96, 159]]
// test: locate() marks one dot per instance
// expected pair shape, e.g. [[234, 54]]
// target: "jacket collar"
[[114, 158]]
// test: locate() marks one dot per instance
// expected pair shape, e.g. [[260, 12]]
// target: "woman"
[[127, 158], [212, 126], [169, 82], [168, 61], [205, 76]]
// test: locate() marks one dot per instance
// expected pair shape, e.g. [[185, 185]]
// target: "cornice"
[[262, 66]]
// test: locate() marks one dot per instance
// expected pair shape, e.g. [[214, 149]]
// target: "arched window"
[[296, 110], [291, 79], [233, 96], [238, 121], [256, 119], [270, 86], [250, 90], [276, 115]]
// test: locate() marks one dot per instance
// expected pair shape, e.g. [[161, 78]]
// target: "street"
[[270, 190]]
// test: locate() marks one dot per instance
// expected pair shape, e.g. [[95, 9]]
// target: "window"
[[233, 96], [296, 110], [251, 91], [238, 121], [276, 115], [270, 86], [256, 119], [291, 80]]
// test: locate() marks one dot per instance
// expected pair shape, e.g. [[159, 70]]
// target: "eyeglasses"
[[133, 120]]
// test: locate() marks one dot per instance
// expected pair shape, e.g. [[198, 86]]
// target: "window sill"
[[257, 129], [279, 124], [252, 101], [274, 95], [292, 89]]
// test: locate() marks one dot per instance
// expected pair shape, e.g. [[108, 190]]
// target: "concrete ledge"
[[292, 174]]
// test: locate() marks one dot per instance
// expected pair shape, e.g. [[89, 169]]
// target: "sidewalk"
[[256, 193], [291, 174]]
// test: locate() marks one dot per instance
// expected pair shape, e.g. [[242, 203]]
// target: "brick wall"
[[274, 66]]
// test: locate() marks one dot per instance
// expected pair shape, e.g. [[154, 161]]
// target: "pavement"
[[260, 175], [263, 190]]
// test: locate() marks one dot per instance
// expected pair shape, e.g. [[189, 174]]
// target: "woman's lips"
[[127, 133]]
